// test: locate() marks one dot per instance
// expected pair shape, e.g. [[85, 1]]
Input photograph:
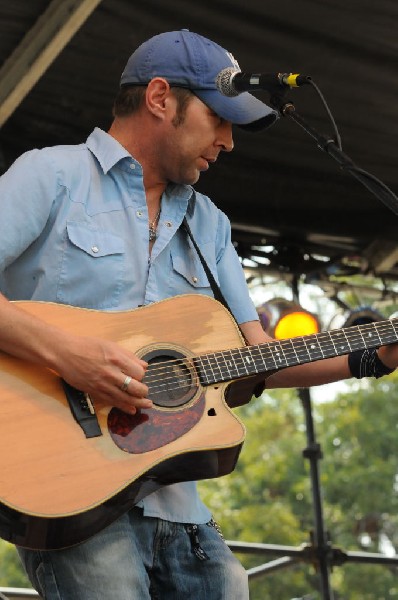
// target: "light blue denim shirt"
[[74, 230]]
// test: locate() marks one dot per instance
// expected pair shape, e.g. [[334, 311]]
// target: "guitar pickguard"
[[150, 429], [178, 402]]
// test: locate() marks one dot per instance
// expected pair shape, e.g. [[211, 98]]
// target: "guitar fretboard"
[[251, 360]]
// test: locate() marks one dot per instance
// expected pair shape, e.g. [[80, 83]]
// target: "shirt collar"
[[106, 149]]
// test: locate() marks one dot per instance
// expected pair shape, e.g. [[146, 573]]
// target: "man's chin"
[[189, 179]]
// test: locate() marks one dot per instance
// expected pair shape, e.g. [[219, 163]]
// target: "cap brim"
[[244, 110]]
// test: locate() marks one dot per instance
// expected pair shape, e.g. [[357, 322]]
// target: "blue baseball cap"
[[189, 60]]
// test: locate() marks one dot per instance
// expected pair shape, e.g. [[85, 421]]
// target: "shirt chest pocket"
[[95, 242], [93, 267], [189, 274]]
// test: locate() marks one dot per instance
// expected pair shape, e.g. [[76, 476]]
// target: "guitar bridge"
[[82, 410]]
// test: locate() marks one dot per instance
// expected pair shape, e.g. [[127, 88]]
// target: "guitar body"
[[59, 487], [67, 472]]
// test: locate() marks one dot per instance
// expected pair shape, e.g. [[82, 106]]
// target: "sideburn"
[[183, 97]]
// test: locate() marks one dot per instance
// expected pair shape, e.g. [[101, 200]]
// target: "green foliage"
[[11, 572], [268, 498]]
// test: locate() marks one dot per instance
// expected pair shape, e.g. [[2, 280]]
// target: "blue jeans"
[[140, 558]]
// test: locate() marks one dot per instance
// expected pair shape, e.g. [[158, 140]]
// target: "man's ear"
[[158, 95]]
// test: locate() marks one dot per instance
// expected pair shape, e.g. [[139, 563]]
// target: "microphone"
[[231, 82]]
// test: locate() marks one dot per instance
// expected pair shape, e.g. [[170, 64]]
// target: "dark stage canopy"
[[291, 205]]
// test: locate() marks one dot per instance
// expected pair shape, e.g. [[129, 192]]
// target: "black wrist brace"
[[366, 363]]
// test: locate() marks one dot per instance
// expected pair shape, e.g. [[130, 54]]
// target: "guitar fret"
[[391, 336], [271, 357], [261, 365], [219, 369], [279, 356], [377, 333], [312, 347], [290, 351], [250, 360], [363, 337], [245, 361], [297, 360], [302, 354], [200, 363], [231, 365], [342, 346], [368, 339], [333, 349], [346, 340], [256, 360], [297, 346], [326, 345], [320, 347]]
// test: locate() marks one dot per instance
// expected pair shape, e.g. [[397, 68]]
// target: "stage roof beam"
[[38, 49]]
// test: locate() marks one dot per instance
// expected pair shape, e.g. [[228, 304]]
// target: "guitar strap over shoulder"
[[241, 391], [218, 295]]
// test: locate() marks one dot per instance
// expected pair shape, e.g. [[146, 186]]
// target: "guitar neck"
[[272, 356]]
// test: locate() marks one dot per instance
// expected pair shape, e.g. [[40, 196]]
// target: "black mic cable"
[[232, 82]]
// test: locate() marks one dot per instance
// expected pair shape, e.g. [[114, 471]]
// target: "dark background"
[[288, 201]]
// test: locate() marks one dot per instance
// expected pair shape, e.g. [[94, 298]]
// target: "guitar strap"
[[218, 295], [241, 392]]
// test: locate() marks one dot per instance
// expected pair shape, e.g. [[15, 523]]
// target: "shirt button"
[[94, 249], [169, 224], [132, 166], [195, 279], [139, 213]]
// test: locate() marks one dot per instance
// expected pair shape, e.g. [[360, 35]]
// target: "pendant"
[[152, 234], [153, 228]]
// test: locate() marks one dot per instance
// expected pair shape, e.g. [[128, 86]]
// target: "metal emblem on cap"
[[233, 60]]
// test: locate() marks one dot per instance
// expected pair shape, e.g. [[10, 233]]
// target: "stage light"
[[283, 319], [361, 315]]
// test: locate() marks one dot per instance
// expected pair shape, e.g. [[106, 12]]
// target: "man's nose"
[[225, 136]]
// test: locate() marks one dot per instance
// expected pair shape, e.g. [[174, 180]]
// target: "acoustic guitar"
[[67, 470]]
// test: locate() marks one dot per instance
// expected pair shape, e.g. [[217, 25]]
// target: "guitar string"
[[293, 345], [281, 346], [354, 332], [289, 348]]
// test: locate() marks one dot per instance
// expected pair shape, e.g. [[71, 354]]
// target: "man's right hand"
[[107, 372]]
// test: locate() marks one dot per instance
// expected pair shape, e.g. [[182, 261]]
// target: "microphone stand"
[[328, 145], [319, 552]]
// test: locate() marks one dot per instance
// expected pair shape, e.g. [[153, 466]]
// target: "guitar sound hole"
[[170, 378]]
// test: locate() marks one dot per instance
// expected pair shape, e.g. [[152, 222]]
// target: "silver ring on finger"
[[125, 383]]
